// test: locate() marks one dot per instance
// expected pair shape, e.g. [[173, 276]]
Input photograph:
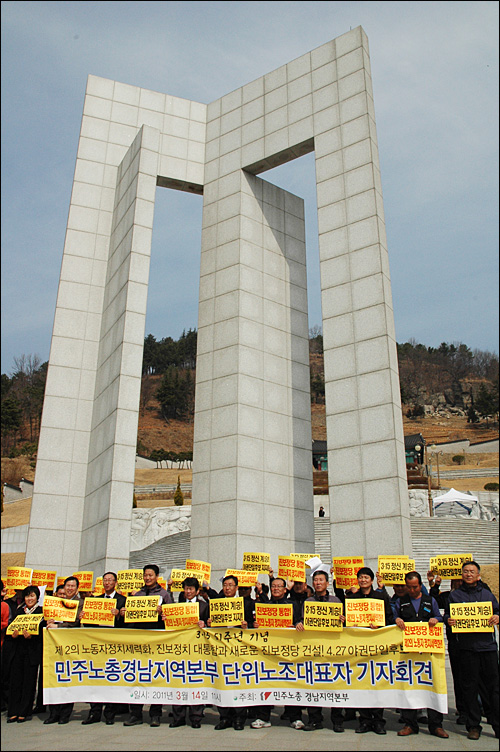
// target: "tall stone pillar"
[[252, 479]]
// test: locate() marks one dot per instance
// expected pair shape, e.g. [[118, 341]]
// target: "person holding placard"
[[191, 591], [416, 606], [60, 713], [291, 712], [320, 581], [371, 719], [25, 659], [109, 580], [233, 717], [151, 588], [478, 652]]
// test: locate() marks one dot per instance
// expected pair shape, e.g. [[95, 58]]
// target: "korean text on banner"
[[241, 667], [203, 568], [178, 576], [345, 568], [129, 580], [245, 577], [291, 569], [471, 617], [449, 566], [303, 557], [419, 637], [18, 577], [25, 622], [98, 611], [393, 569], [274, 615], [59, 609], [320, 616], [363, 612], [85, 580], [180, 615], [226, 612], [142, 608], [256, 561], [42, 577]]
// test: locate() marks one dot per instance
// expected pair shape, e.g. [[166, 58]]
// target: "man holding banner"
[[151, 587], [109, 580], [477, 646], [370, 719], [415, 606]]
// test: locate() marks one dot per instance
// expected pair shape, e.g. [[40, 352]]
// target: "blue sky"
[[435, 80]]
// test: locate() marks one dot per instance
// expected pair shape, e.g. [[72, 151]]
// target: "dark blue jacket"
[[478, 642]]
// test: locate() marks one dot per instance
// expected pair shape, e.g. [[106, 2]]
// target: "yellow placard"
[[449, 566], [18, 577], [203, 569], [363, 612], [41, 577], [60, 609], [291, 569], [98, 611], [98, 586], [9, 594], [419, 637], [178, 576], [141, 608], [162, 582], [245, 578], [25, 622], [85, 580], [393, 569], [254, 561], [471, 617], [180, 615], [322, 616], [274, 615], [304, 558], [129, 580], [60, 581], [226, 612], [345, 568], [241, 667]]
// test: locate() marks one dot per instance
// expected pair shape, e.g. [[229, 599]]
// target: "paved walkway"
[[34, 736]]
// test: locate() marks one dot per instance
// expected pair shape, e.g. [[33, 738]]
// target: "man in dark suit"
[[111, 709], [191, 591]]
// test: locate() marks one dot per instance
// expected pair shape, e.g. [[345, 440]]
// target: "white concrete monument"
[[252, 483]]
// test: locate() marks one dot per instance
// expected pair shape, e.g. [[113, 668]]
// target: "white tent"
[[455, 502]]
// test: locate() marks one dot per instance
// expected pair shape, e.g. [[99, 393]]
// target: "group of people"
[[473, 656]]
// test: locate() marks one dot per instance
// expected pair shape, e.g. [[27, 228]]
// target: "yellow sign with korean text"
[[18, 577], [178, 576], [202, 568], [291, 569], [25, 622], [449, 566], [180, 615], [86, 580], [226, 612], [98, 586], [59, 609], [244, 577], [256, 561], [98, 611], [393, 569], [241, 668], [274, 615], [363, 612], [419, 637], [141, 608], [129, 580], [41, 577], [322, 616], [471, 617], [303, 557], [60, 581], [345, 568]]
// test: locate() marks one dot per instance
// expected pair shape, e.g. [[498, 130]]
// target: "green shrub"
[[178, 495], [491, 486], [458, 459]]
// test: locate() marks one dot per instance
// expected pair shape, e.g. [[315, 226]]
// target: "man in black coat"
[[109, 580]]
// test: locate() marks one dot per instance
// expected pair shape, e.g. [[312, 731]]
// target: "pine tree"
[[178, 495]]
